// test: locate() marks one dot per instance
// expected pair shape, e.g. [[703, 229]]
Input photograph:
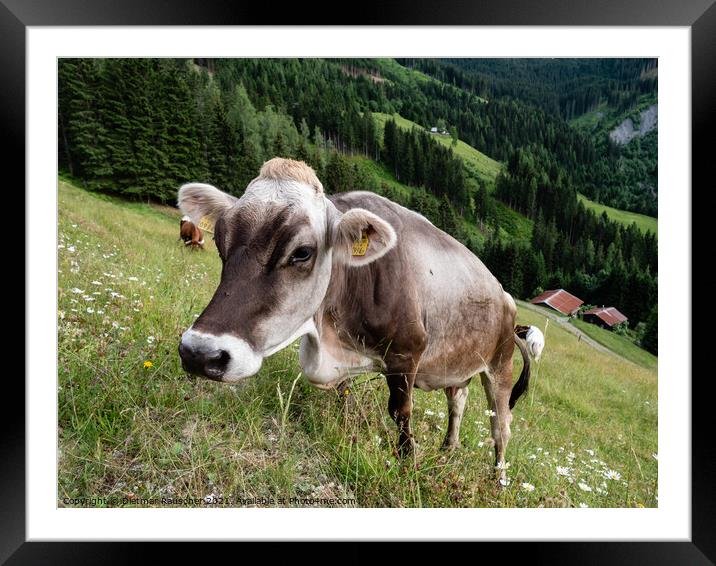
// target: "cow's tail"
[[521, 386]]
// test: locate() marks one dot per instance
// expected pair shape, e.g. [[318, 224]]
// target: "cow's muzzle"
[[219, 357], [211, 364]]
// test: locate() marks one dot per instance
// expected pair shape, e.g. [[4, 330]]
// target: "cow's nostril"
[[216, 363]]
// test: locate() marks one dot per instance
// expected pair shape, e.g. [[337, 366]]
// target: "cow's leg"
[[400, 407], [498, 386], [401, 364], [456, 399]]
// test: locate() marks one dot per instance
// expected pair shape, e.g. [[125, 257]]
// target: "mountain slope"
[[479, 165], [511, 224], [644, 223]]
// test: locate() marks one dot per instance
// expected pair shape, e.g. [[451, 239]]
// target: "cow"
[[190, 233], [366, 284], [534, 339]]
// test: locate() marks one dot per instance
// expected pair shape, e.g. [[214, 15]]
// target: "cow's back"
[[462, 305]]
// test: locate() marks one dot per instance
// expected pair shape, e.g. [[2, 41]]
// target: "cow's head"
[[277, 244]]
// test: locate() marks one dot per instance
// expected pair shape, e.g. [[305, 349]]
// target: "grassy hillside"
[[479, 164], [603, 117], [619, 344], [643, 222], [133, 425], [512, 224]]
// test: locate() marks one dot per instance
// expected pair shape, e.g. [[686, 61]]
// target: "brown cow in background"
[[190, 234]]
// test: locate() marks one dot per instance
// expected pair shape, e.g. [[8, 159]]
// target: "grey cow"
[[367, 285]]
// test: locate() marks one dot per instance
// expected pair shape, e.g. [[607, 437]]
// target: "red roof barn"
[[604, 316], [559, 300]]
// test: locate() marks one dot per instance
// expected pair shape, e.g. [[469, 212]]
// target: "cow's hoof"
[[406, 449], [502, 481], [409, 462], [450, 446]]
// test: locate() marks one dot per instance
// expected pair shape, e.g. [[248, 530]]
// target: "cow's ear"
[[198, 200], [360, 237]]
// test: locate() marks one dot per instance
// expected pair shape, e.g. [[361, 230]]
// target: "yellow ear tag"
[[206, 224], [361, 246]]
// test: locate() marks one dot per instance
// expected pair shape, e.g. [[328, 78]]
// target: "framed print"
[[360, 216]]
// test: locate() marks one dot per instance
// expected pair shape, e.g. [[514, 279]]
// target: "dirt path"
[[563, 322]]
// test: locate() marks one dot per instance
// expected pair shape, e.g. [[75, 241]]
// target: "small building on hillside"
[[433, 130], [606, 317], [560, 300]]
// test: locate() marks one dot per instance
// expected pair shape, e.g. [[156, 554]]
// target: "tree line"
[[600, 260], [563, 87], [623, 177]]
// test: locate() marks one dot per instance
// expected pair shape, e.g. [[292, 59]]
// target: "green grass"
[[619, 344], [128, 289], [604, 118], [391, 69], [590, 120], [643, 222]]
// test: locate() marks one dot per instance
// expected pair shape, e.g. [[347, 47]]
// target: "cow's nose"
[[209, 363]]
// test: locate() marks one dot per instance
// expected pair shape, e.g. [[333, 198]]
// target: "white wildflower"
[[563, 471], [583, 486], [527, 486]]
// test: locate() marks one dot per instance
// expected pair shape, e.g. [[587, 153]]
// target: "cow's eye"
[[300, 255]]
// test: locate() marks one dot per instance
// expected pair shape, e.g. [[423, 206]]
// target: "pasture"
[[133, 425], [643, 222], [619, 344]]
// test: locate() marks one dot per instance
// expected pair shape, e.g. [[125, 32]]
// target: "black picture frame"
[[700, 16]]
